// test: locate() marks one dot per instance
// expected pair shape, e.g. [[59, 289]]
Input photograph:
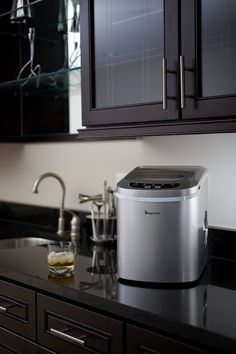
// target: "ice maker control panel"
[[140, 185]]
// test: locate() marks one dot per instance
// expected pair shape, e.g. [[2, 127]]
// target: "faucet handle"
[[75, 229], [84, 198], [75, 226], [61, 226]]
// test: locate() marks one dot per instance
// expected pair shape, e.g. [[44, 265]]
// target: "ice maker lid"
[[162, 180]]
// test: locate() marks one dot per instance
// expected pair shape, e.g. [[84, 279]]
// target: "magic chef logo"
[[146, 212]]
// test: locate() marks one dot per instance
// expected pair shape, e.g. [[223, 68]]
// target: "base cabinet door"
[[66, 328], [140, 341], [12, 343], [17, 309]]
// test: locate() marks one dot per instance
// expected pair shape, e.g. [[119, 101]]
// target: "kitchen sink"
[[23, 242]]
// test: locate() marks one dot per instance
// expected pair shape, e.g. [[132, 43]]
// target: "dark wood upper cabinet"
[[158, 67], [36, 66], [150, 67], [124, 47], [208, 49]]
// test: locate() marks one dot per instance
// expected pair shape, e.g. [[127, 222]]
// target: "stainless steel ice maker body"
[[162, 224]]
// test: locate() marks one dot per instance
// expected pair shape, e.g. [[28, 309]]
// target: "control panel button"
[[140, 185]]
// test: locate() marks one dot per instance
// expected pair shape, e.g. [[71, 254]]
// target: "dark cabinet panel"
[[34, 100], [217, 42], [5, 350], [158, 67], [140, 341], [149, 67], [127, 48], [45, 114], [17, 309], [45, 106], [209, 51], [11, 343], [128, 52], [10, 114], [9, 65], [66, 328]]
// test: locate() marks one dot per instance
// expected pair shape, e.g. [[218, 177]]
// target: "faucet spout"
[[61, 226]]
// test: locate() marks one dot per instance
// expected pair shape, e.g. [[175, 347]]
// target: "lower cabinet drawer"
[[17, 309], [141, 341], [66, 328], [11, 343]]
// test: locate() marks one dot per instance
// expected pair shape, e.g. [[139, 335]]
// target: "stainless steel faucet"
[[61, 220]]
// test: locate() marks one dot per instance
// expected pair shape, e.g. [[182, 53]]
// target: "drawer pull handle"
[[3, 309], [67, 336]]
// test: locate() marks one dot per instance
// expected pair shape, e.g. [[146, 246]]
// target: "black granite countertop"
[[203, 314]]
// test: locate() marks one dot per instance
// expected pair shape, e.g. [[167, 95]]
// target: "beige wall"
[[85, 165]]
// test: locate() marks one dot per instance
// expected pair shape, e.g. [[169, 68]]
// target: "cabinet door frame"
[[12, 343], [152, 112], [106, 333], [195, 106], [139, 340]]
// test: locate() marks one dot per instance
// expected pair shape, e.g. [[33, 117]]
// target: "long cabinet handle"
[[3, 309], [67, 336], [164, 83], [182, 81]]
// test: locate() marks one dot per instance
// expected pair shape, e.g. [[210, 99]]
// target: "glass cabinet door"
[[125, 60], [211, 78], [128, 52], [39, 69], [218, 47]]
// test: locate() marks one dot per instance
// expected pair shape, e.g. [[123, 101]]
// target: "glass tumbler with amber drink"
[[61, 258]]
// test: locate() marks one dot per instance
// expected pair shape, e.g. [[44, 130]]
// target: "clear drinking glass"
[[61, 258]]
